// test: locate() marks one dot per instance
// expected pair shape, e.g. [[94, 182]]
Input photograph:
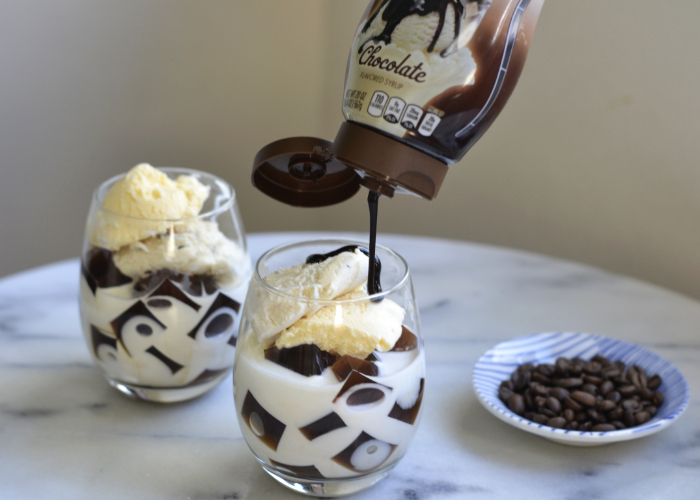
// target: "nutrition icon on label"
[[430, 123], [377, 104], [394, 110], [411, 117]]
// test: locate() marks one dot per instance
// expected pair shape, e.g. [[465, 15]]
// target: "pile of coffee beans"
[[597, 395]]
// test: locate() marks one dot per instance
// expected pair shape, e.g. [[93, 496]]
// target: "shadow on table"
[[89, 441]]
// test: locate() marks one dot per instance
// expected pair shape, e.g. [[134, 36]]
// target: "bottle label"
[[424, 70]]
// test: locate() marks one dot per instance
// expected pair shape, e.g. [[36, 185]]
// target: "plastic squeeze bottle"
[[425, 79]]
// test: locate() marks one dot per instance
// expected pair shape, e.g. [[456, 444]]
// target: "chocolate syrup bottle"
[[425, 79]]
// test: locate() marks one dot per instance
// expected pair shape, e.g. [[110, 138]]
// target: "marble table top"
[[65, 434]]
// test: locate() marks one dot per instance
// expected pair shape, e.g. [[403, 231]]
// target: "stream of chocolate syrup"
[[374, 284]]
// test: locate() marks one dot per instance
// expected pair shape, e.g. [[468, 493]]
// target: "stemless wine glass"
[[160, 299], [319, 423]]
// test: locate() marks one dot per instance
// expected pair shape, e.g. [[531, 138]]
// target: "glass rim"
[[181, 170], [325, 302]]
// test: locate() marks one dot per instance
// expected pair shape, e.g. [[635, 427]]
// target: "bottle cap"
[[300, 171], [312, 172]]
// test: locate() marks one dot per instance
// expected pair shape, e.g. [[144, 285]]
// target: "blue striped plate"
[[498, 363]]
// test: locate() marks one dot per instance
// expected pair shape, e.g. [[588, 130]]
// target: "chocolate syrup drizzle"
[[374, 284]]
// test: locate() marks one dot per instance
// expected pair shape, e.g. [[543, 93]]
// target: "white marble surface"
[[65, 434]]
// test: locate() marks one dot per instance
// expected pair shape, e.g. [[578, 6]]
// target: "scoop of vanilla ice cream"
[[148, 199], [417, 32], [196, 248], [355, 329], [326, 280]]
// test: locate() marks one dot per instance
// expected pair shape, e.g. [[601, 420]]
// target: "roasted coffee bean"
[[602, 360], [529, 415], [606, 387], [618, 424], [526, 367], [595, 415], [507, 384], [613, 396], [540, 419], [643, 378], [642, 418], [606, 406], [559, 392], [587, 426], [504, 394], [645, 393], [603, 428], [590, 389], [584, 398], [590, 379], [573, 425], [538, 389], [628, 418], [570, 403], [570, 383], [546, 370], [630, 404], [610, 372], [556, 422], [654, 382], [616, 414], [592, 368], [658, 398], [644, 404], [581, 417], [652, 410], [569, 414], [627, 391], [516, 403], [553, 404], [575, 369], [549, 413], [633, 376], [542, 379], [527, 396], [563, 366], [520, 380], [539, 402]]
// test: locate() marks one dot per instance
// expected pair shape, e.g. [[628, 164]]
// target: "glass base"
[[166, 394], [328, 488]]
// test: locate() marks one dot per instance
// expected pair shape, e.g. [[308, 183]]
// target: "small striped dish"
[[498, 363]]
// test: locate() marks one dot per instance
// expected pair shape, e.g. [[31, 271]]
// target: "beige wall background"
[[595, 158]]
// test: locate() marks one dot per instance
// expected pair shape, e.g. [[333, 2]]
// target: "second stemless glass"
[[343, 425], [160, 310]]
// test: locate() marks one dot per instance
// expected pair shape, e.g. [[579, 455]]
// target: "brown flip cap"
[[300, 171], [387, 164], [312, 172]]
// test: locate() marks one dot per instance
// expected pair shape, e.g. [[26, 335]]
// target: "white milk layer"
[[361, 438], [161, 340]]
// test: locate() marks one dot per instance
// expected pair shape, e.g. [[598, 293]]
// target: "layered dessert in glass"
[[329, 380], [164, 273]]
